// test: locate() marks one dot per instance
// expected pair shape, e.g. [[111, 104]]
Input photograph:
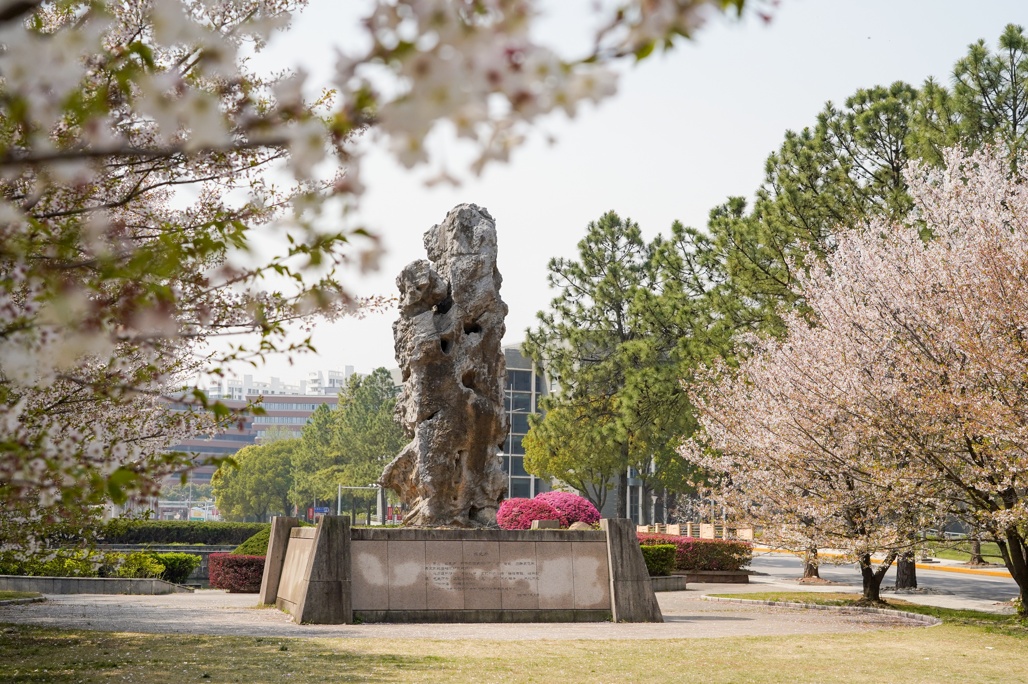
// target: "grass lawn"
[[951, 652], [961, 550], [8, 595]]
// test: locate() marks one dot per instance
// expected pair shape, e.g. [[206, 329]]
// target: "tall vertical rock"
[[448, 346]]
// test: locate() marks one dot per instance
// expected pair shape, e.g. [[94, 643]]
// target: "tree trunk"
[[906, 571], [1015, 557], [872, 577], [622, 496], [671, 507], [976, 552], [645, 503], [810, 564]]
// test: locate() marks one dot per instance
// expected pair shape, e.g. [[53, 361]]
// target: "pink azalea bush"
[[518, 514], [572, 508]]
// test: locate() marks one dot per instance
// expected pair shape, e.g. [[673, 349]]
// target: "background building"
[[525, 387]]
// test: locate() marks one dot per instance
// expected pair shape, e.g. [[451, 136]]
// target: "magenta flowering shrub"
[[518, 514], [571, 507]]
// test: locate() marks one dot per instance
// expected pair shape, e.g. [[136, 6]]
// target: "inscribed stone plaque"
[[407, 575], [370, 575], [555, 576], [519, 574], [592, 581], [444, 567], [481, 575]]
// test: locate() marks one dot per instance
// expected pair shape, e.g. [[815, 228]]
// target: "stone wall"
[[419, 575], [333, 574]]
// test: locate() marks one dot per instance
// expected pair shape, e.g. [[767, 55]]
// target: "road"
[[954, 589]]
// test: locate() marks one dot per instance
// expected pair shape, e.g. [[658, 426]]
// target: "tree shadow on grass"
[[37, 655]]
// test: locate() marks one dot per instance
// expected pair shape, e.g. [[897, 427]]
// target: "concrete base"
[[717, 576], [669, 583], [465, 616], [89, 585]]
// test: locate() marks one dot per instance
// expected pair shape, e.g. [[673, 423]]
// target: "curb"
[[927, 620], [920, 566], [21, 601]]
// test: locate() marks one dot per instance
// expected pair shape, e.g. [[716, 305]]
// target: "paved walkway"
[[686, 614], [218, 613]]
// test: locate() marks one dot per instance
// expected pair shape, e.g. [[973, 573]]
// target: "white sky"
[[685, 132]]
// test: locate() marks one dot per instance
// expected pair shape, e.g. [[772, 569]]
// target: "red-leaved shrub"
[[238, 574], [703, 554], [518, 514], [572, 508]]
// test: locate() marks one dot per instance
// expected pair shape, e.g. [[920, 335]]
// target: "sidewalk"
[[213, 612]]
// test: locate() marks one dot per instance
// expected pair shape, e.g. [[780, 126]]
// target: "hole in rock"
[[445, 345], [468, 380], [444, 306], [472, 328]]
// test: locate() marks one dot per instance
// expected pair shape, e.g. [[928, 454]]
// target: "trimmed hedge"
[[703, 554], [518, 514], [237, 574], [126, 531], [660, 559], [177, 566], [257, 545], [572, 508]]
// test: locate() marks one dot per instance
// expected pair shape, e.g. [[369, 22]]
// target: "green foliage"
[[191, 491], [126, 531], [565, 444], [582, 343], [174, 567], [349, 446], [660, 558], [71, 563], [140, 565], [703, 554], [257, 545], [177, 566], [257, 485]]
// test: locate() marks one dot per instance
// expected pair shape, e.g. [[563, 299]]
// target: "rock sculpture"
[[447, 343]]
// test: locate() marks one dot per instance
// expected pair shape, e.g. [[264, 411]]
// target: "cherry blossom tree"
[[917, 339], [784, 449], [143, 165]]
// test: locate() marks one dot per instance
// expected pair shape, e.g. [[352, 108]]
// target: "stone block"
[[275, 558], [556, 582], [482, 575], [591, 576], [519, 576], [370, 574], [407, 581], [444, 570]]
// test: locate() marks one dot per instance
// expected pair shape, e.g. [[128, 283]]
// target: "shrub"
[[572, 508], [257, 545], [62, 563], [518, 514], [140, 565], [177, 566], [126, 531], [703, 554], [660, 558], [237, 574]]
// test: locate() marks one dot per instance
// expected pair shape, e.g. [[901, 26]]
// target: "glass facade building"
[[524, 388]]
